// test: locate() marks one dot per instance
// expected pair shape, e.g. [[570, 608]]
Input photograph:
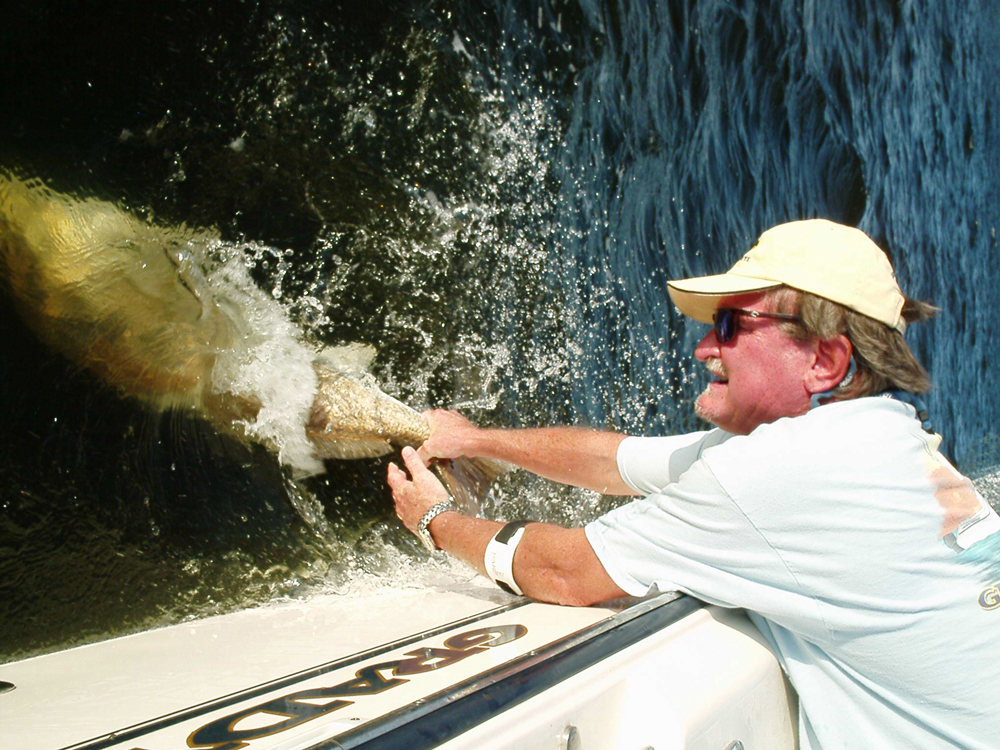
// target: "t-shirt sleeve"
[[649, 464], [692, 537]]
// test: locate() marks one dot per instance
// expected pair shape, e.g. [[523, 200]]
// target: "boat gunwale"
[[446, 714]]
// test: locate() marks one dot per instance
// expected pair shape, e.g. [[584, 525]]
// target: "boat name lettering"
[[291, 710]]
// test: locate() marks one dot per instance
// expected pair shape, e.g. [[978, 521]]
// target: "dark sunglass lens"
[[725, 325]]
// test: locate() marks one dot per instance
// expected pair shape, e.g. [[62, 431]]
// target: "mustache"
[[714, 365]]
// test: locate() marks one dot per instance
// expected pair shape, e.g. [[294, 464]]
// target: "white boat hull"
[[412, 669]]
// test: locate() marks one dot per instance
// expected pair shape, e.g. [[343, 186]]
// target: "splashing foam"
[[275, 369], [268, 362]]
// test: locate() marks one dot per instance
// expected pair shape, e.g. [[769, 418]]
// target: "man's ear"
[[833, 360]]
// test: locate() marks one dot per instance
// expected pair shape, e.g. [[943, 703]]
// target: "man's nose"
[[707, 347]]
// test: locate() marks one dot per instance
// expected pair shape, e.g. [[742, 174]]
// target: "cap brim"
[[699, 297]]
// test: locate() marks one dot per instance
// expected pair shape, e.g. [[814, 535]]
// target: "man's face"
[[760, 373]]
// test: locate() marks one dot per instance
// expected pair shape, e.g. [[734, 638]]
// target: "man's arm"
[[551, 564], [568, 455]]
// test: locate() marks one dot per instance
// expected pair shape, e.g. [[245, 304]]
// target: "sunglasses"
[[726, 321]]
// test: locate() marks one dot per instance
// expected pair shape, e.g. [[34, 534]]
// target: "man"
[[820, 503]]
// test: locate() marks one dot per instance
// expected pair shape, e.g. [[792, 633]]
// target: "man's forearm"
[[568, 455], [551, 564]]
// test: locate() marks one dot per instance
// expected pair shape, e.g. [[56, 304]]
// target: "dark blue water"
[[492, 194]]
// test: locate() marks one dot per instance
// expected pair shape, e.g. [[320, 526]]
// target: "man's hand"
[[415, 496], [452, 436]]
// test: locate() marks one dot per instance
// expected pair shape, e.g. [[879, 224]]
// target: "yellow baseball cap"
[[830, 260]]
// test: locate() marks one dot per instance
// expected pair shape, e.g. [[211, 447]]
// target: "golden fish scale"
[[344, 408]]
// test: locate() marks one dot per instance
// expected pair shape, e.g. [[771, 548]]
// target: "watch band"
[[423, 533], [499, 557]]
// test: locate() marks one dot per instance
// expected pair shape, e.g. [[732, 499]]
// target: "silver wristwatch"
[[423, 533]]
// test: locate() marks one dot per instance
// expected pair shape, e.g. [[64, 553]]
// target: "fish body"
[[354, 420], [108, 291], [169, 315]]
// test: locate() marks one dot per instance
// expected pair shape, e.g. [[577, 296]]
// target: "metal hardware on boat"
[[6, 687], [571, 738]]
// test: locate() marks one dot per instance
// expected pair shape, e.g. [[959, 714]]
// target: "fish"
[[351, 419], [170, 316]]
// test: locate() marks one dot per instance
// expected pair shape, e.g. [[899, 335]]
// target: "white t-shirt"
[[839, 532]]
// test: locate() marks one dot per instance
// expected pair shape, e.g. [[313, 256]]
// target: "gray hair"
[[884, 360]]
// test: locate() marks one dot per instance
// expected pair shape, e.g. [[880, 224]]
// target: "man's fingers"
[[395, 475], [414, 461]]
